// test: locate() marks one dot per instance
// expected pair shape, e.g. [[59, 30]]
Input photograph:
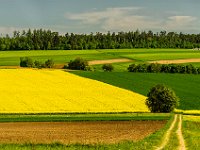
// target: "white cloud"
[[179, 21], [127, 18], [111, 18]]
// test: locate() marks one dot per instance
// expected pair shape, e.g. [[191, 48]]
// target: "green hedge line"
[[164, 68]]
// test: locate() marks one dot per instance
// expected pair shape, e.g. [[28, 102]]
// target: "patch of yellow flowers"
[[51, 91], [191, 118]]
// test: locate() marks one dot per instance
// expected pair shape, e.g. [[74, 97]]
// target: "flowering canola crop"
[[51, 91]]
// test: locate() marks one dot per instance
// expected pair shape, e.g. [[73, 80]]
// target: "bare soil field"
[[108, 61], [77, 132], [9, 67], [178, 61]]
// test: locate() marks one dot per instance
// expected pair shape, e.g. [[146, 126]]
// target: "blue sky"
[[85, 16]]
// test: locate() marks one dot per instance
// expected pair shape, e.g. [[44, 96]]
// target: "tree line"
[[164, 68], [39, 39]]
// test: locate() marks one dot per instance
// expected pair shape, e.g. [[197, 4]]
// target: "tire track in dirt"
[[168, 133], [180, 135]]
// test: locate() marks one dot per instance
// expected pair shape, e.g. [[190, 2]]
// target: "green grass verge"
[[186, 86], [173, 142], [191, 133], [149, 143], [81, 117]]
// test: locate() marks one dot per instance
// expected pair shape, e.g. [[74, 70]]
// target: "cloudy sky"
[[85, 16]]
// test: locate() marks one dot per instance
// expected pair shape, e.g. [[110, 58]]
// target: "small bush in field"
[[108, 67], [78, 64]]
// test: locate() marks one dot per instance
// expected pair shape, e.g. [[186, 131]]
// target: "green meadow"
[[11, 58]]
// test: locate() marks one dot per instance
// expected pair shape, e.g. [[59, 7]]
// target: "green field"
[[82, 117], [11, 58], [191, 130], [186, 86]]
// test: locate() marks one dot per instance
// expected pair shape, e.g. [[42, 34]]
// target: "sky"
[[86, 16]]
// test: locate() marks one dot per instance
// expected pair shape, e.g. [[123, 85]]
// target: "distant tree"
[[38, 64], [78, 64], [49, 63], [132, 68], [108, 67], [161, 99], [26, 62]]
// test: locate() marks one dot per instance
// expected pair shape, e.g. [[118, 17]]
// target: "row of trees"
[[28, 62], [48, 40], [164, 68]]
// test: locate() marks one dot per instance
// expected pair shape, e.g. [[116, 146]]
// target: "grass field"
[[40, 91], [11, 58], [82, 117], [191, 130], [186, 86]]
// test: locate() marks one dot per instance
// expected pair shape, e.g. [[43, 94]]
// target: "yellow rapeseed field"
[[43, 91]]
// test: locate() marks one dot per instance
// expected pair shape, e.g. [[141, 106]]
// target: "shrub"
[[77, 64], [108, 67], [26, 62], [49, 63], [132, 68], [154, 68], [161, 99], [89, 68], [38, 64]]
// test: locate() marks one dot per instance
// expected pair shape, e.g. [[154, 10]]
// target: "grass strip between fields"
[[167, 136], [81, 117], [191, 130]]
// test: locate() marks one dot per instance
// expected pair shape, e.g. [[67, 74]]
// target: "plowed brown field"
[[77, 132]]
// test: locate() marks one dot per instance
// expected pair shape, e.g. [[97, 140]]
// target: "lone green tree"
[[161, 99]]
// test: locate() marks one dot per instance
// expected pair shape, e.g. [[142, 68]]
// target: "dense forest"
[[48, 40]]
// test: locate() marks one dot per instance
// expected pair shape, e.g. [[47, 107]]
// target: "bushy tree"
[[161, 99], [38, 64], [49, 63], [78, 64], [108, 67], [26, 62]]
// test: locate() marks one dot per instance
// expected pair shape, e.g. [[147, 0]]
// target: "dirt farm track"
[[77, 132]]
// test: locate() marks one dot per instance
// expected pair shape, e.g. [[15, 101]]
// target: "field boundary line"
[[167, 135], [180, 135], [109, 61]]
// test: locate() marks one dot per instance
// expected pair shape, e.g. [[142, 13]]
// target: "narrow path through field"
[[178, 131], [167, 136], [180, 135]]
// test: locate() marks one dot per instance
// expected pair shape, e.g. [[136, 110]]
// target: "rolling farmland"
[[11, 58], [51, 99]]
